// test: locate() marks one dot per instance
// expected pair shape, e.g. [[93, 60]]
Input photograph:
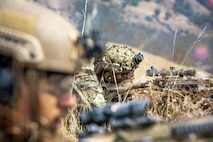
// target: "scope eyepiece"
[[93, 44]]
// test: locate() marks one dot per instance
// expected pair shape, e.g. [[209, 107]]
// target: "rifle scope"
[[100, 115]]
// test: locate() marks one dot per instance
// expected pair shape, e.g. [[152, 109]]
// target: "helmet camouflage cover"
[[87, 83], [117, 57]]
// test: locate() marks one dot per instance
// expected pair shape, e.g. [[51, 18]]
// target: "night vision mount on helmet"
[[117, 58]]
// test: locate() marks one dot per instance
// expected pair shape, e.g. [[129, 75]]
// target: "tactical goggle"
[[58, 83], [7, 80]]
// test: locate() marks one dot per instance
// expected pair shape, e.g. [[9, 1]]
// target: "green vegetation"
[[131, 2], [201, 20], [157, 12], [148, 18]]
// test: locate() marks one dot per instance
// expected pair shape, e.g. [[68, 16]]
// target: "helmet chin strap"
[[32, 78], [108, 76]]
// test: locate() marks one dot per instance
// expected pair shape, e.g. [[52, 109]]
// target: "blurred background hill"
[[178, 30]]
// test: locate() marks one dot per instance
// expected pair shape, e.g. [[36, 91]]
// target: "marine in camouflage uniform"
[[86, 84], [39, 53], [115, 69], [90, 95]]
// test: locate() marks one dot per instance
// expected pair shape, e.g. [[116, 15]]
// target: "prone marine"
[[115, 70]]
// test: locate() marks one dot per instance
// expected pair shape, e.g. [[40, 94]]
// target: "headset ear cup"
[[108, 76]]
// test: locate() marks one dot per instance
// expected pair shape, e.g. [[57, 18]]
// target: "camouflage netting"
[[169, 104], [181, 101]]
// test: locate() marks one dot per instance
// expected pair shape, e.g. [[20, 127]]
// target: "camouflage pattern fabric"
[[115, 68], [122, 55], [121, 58], [87, 82], [117, 63]]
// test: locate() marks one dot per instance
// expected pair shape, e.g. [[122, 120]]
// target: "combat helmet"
[[36, 41], [118, 59], [86, 84], [35, 36]]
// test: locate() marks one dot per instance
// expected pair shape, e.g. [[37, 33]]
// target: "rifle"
[[169, 79], [171, 72], [182, 81], [178, 79], [117, 115], [126, 87], [129, 126]]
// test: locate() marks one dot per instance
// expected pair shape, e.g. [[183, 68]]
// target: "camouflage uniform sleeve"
[[88, 84]]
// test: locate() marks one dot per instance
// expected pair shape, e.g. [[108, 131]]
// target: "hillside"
[[155, 26], [152, 25], [160, 63]]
